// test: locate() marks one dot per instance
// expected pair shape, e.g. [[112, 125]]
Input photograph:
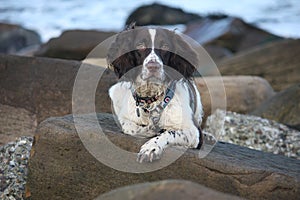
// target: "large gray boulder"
[[284, 107], [60, 167], [33, 89], [158, 14], [277, 62], [243, 94], [229, 32], [73, 44], [14, 38], [44, 86]]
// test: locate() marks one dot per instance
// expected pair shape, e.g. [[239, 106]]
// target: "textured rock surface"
[[157, 14], [167, 190], [44, 86], [73, 44], [61, 168], [14, 38], [15, 122], [284, 107], [277, 62]]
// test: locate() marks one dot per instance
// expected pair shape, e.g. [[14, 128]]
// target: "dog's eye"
[[165, 47], [141, 46]]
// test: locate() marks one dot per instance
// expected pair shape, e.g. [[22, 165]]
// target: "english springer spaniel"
[[156, 96]]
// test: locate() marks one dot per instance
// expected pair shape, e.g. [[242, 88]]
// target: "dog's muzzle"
[[152, 66]]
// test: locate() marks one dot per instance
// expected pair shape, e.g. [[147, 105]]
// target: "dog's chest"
[[170, 117], [146, 115]]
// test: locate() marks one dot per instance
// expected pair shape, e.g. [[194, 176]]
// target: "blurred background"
[[50, 18]]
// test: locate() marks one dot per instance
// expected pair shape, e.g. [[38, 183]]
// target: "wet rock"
[[13, 38], [167, 190], [157, 14], [73, 44], [61, 168], [284, 107], [233, 34], [277, 62]]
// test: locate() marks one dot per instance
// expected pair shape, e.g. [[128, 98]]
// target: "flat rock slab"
[[60, 166]]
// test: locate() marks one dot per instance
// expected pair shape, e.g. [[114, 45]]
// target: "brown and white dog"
[[156, 96]]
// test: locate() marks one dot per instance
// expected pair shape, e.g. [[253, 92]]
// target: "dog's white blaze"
[[152, 33]]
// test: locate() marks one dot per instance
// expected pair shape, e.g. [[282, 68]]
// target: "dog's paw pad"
[[149, 152]]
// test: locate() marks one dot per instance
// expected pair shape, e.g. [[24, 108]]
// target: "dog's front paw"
[[149, 152]]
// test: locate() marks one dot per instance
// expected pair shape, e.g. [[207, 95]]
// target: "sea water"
[[50, 17]]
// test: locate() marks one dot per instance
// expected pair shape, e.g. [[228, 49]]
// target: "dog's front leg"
[[131, 128], [153, 149]]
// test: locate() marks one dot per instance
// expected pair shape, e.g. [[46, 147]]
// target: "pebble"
[[13, 168], [256, 133]]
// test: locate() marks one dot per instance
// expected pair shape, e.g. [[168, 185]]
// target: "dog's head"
[[151, 49]]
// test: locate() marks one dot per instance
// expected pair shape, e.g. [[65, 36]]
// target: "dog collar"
[[140, 101]]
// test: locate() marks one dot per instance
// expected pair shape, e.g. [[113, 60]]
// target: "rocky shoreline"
[[261, 83]]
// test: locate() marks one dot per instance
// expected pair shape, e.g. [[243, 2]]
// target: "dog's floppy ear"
[[185, 65], [119, 56], [122, 64]]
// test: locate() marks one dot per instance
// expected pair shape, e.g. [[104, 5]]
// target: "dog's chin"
[[153, 77]]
